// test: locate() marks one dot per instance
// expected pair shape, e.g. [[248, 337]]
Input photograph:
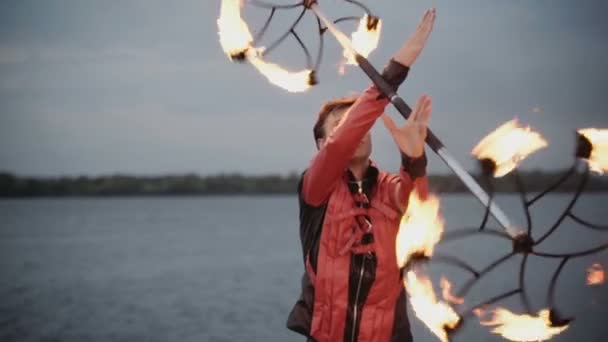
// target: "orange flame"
[[446, 288], [508, 145], [598, 161], [294, 82], [420, 228], [236, 41], [364, 40], [436, 315], [478, 312], [522, 327], [419, 231], [595, 275], [235, 36]]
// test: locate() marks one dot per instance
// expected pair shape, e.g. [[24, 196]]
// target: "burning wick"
[[508, 146], [595, 275], [438, 316], [420, 229], [593, 146], [446, 291], [234, 33], [236, 41], [521, 327], [364, 40]]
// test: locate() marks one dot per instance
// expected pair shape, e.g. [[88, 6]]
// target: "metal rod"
[[522, 275], [486, 214], [353, 18], [434, 143], [467, 286], [551, 292], [559, 182], [340, 36], [456, 262], [587, 223], [573, 254], [475, 188], [259, 35], [360, 5], [262, 4], [285, 35], [321, 43], [522, 194], [462, 233], [308, 56], [577, 194]]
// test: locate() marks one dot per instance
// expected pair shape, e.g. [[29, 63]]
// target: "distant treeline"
[[236, 184]]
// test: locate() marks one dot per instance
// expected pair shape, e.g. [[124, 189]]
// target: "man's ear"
[[320, 143]]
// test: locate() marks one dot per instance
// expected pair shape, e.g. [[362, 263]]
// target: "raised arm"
[[412, 176], [410, 139], [332, 159]]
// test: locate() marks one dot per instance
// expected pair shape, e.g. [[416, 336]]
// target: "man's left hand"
[[410, 137]]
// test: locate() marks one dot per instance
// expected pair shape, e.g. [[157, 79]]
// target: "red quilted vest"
[[331, 279]]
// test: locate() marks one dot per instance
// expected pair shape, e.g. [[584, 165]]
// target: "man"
[[350, 213]]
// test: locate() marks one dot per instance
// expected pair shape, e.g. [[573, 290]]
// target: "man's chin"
[[360, 157]]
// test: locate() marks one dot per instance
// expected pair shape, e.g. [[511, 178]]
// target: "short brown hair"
[[331, 106]]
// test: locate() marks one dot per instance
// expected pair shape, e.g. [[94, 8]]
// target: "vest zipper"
[[352, 338], [355, 311]]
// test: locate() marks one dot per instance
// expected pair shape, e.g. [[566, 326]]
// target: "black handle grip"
[[403, 108]]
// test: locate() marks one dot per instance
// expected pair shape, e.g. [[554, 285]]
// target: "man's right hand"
[[408, 54]]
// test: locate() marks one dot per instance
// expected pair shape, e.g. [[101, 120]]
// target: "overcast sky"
[[142, 86]]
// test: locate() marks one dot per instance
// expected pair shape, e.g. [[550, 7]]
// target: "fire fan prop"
[[421, 227]]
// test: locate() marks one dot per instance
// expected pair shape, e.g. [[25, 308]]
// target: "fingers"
[[426, 25], [389, 123], [418, 117], [422, 131], [424, 115], [429, 17], [425, 16], [421, 108], [391, 126], [412, 48], [425, 111], [433, 15], [413, 116]]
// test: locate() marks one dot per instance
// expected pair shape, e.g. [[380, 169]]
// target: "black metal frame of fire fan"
[[313, 66], [523, 244]]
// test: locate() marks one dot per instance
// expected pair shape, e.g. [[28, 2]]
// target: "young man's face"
[[333, 121]]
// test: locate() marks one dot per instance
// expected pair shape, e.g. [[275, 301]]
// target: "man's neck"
[[358, 167]]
